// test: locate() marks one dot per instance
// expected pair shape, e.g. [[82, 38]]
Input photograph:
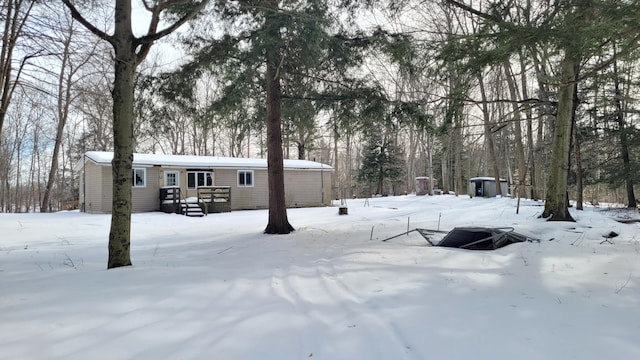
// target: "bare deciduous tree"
[[129, 51]]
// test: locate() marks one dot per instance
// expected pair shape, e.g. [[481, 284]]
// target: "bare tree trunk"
[[123, 90], [129, 51], [457, 141], [532, 165], [33, 170], [488, 136], [336, 160], [576, 144], [278, 222], [517, 127], [430, 145], [411, 158], [63, 103], [624, 140], [348, 165], [301, 150], [556, 205], [446, 178], [544, 121], [578, 168], [15, 16]]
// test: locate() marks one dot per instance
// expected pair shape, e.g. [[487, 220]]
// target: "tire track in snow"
[[283, 288], [336, 318], [369, 314]]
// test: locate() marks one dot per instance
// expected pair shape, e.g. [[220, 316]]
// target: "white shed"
[[486, 187]]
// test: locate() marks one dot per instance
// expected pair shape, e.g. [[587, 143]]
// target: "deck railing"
[[170, 199], [214, 199]]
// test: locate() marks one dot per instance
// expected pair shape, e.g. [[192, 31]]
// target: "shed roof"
[[485, 178], [105, 157]]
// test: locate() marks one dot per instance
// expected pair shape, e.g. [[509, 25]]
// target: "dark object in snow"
[[472, 238], [481, 238], [608, 236], [628, 221]]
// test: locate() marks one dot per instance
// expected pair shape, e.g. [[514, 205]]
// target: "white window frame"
[[171, 172], [135, 172], [244, 173], [196, 172]]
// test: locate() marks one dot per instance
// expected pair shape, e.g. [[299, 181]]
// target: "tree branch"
[[76, 15], [479, 13], [147, 41]]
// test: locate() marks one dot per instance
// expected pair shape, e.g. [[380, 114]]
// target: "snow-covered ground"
[[217, 288]]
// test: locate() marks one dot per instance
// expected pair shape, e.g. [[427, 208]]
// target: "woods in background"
[[445, 89]]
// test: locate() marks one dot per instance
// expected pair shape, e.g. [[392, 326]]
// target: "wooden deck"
[[213, 199]]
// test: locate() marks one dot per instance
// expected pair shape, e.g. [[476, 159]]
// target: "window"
[[139, 177], [196, 179], [171, 178], [245, 178]]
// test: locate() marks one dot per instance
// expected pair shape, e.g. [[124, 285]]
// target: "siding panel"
[[93, 188], [147, 198], [301, 189]]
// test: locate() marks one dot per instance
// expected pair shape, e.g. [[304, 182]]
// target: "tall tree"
[[276, 45], [625, 135], [556, 206], [575, 30], [129, 51], [278, 222], [69, 68], [517, 129], [382, 160], [488, 134], [16, 13]]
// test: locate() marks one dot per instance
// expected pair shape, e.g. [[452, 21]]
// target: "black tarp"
[[480, 238], [471, 238]]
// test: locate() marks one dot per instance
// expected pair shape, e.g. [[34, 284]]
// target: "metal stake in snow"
[[439, 216]]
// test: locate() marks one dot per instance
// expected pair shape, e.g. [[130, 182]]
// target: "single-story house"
[[486, 187], [307, 183]]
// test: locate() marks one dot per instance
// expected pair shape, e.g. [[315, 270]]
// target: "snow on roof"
[[485, 178], [104, 158]]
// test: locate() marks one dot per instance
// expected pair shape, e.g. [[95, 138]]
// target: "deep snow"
[[217, 288]]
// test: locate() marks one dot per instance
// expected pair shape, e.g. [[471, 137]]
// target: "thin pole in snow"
[[439, 216]]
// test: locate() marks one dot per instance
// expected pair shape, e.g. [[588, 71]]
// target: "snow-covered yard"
[[217, 288]]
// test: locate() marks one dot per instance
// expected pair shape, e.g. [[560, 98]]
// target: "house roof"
[[192, 161]]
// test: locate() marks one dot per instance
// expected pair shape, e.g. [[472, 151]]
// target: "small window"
[[245, 178], [196, 179], [171, 178], [139, 177]]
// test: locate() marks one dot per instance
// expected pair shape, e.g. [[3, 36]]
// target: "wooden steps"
[[213, 199], [192, 209]]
